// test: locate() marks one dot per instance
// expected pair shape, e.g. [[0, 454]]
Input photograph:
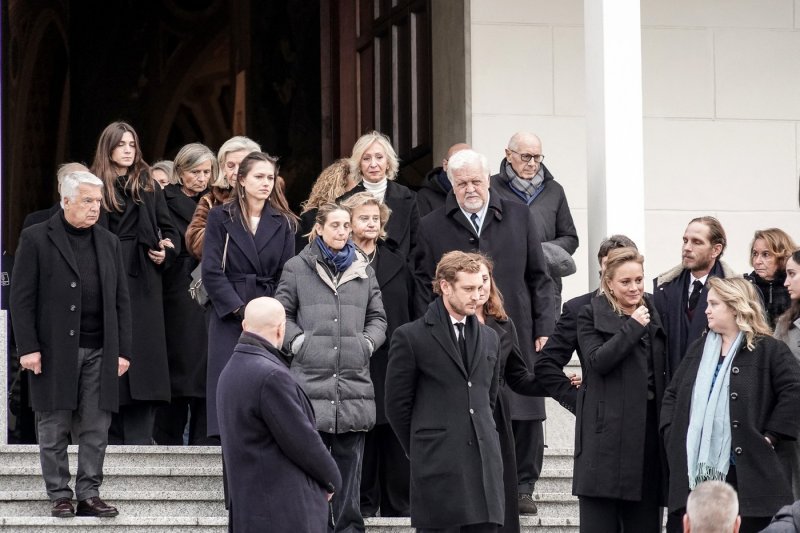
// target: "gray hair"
[[464, 158], [72, 181], [166, 167], [190, 156], [712, 507], [234, 144]]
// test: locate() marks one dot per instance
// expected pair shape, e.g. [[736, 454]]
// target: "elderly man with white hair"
[[72, 322], [475, 218]]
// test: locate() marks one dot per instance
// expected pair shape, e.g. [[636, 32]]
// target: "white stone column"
[[613, 123]]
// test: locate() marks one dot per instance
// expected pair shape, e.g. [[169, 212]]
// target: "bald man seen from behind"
[[269, 439]]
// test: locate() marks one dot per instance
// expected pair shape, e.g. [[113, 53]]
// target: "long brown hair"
[[137, 178], [276, 199], [494, 305], [330, 185], [791, 314]]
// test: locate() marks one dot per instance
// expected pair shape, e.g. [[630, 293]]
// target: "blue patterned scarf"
[[340, 260]]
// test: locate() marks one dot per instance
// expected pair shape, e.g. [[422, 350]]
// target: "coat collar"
[[676, 271], [493, 212], [387, 264], [58, 235], [438, 319], [608, 321], [270, 352], [357, 269], [251, 244], [180, 204]]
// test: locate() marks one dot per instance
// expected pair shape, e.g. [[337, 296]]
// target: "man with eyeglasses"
[[524, 178]]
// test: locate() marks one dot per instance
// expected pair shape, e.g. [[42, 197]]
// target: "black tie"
[[462, 344], [474, 218], [697, 288]]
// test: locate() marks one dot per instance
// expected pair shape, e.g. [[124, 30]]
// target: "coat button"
[[333, 401], [472, 412], [334, 375], [734, 396], [735, 424], [73, 284], [469, 443], [737, 450], [335, 347], [735, 370], [72, 307], [72, 333], [469, 384], [336, 320]]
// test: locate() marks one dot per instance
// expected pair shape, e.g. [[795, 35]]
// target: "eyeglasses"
[[527, 157]]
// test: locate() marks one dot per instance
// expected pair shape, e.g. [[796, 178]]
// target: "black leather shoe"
[[95, 507], [62, 508]]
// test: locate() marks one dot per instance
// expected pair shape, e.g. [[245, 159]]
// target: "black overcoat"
[[45, 308], [397, 290], [277, 466], [764, 397], [611, 413], [514, 375], [184, 320], [442, 415], [558, 351], [401, 228], [137, 227], [510, 238], [253, 266]]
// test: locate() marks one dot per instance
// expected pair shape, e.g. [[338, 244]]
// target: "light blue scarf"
[[708, 439]]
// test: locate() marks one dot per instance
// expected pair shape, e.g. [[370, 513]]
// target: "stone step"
[[29, 478], [128, 524], [166, 456], [130, 503]]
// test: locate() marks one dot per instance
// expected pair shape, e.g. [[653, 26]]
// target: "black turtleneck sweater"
[[82, 244]]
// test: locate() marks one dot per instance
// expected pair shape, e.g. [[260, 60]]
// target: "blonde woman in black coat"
[[619, 476], [732, 400]]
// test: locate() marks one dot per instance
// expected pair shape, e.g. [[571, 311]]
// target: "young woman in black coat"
[[619, 474], [138, 215], [514, 375], [732, 400], [246, 243], [194, 168], [768, 254]]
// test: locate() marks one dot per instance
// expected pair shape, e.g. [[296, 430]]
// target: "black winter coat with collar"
[[764, 395], [611, 412]]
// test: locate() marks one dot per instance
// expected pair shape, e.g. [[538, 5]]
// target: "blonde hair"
[[617, 258], [166, 167], [330, 185], [778, 242], [364, 198], [741, 296], [364, 142]]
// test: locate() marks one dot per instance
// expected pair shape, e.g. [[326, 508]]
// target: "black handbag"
[[197, 291]]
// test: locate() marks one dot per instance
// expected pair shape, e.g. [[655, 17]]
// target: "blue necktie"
[[474, 218]]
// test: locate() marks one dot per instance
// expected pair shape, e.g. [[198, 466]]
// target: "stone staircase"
[[162, 489]]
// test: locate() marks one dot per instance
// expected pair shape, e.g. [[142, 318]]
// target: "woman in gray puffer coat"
[[334, 322]]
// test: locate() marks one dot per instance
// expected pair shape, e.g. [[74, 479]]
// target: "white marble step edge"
[[124, 495], [135, 471], [219, 521]]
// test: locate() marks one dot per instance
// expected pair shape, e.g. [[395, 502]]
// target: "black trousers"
[[385, 474], [88, 423], [347, 450], [133, 424], [171, 420], [529, 448]]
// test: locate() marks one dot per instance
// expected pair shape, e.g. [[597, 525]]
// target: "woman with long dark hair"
[[247, 241], [138, 215]]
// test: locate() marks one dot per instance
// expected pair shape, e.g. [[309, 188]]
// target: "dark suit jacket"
[[277, 467], [508, 236], [45, 307], [558, 351], [442, 415]]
